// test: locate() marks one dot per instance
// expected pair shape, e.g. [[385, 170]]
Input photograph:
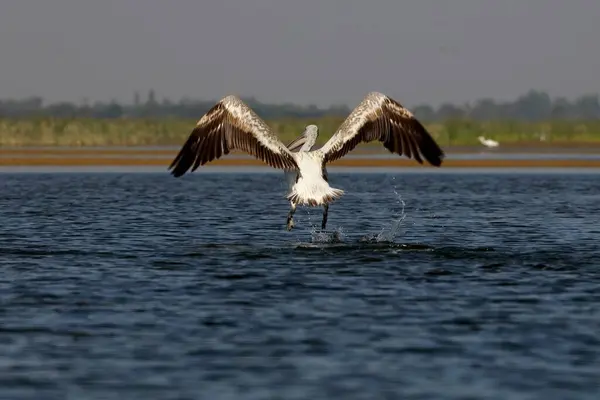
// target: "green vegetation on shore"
[[48, 131]]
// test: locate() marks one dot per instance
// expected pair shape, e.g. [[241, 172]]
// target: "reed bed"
[[7, 161], [82, 132]]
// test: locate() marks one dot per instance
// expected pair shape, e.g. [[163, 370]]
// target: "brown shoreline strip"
[[344, 162], [365, 149]]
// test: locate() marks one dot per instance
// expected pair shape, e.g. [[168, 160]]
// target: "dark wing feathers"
[[231, 124], [379, 117]]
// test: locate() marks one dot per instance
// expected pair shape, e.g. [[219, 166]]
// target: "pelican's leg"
[[325, 211], [290, 217]]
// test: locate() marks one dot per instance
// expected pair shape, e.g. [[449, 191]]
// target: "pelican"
[[230, 124]]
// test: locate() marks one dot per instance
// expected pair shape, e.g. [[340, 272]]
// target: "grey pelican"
[[231, 124]]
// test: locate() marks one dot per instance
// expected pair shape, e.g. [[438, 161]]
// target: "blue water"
[[425, 285]]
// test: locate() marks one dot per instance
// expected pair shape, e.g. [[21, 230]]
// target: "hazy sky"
[[300, 51]]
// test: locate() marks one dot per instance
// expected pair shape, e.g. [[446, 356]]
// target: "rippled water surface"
[[454, 285]]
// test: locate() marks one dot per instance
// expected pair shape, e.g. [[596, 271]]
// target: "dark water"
[[131, 286]]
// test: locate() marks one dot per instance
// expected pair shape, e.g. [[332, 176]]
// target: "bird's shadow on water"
[[385, 237], [308, 239], [338, 239], [345, 236]]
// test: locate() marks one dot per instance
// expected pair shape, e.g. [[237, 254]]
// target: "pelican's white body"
[[310, 187], [308, 184]]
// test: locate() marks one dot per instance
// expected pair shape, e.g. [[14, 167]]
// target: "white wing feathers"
[[231, 124], [379, 117]]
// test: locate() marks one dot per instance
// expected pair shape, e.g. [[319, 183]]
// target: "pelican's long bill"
[[306, 141], [297, 143]]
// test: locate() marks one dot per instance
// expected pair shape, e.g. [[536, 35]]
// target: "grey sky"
[[320, 51]]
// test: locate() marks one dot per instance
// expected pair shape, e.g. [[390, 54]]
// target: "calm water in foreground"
[[425, 285]]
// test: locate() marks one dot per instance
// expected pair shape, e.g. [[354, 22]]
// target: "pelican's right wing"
[[231, 124], [379, 117]]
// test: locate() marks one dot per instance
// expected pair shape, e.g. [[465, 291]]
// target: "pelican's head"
[[311, 129], [306, 141], [311, 132]]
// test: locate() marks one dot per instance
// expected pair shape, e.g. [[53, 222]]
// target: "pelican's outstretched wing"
[[379, 117], [231, 124]]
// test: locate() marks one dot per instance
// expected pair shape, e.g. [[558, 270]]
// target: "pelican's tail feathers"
[[303, 195]]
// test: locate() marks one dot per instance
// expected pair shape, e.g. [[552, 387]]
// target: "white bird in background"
[[488, 142], [231, 124]]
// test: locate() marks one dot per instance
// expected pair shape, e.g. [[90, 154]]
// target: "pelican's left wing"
[[231, 124], [379, 117]]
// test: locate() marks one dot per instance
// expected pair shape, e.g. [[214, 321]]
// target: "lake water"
[[425, 285]]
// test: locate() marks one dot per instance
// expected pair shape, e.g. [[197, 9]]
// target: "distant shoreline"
[[578, 155], [158, 131], [168, 151]]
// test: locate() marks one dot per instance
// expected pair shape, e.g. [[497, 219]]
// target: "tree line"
[[532, 106]]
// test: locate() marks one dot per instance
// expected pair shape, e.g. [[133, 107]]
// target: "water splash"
[[389, 233], [317, 236]]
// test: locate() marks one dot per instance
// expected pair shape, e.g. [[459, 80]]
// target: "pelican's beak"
[[297, 143]]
